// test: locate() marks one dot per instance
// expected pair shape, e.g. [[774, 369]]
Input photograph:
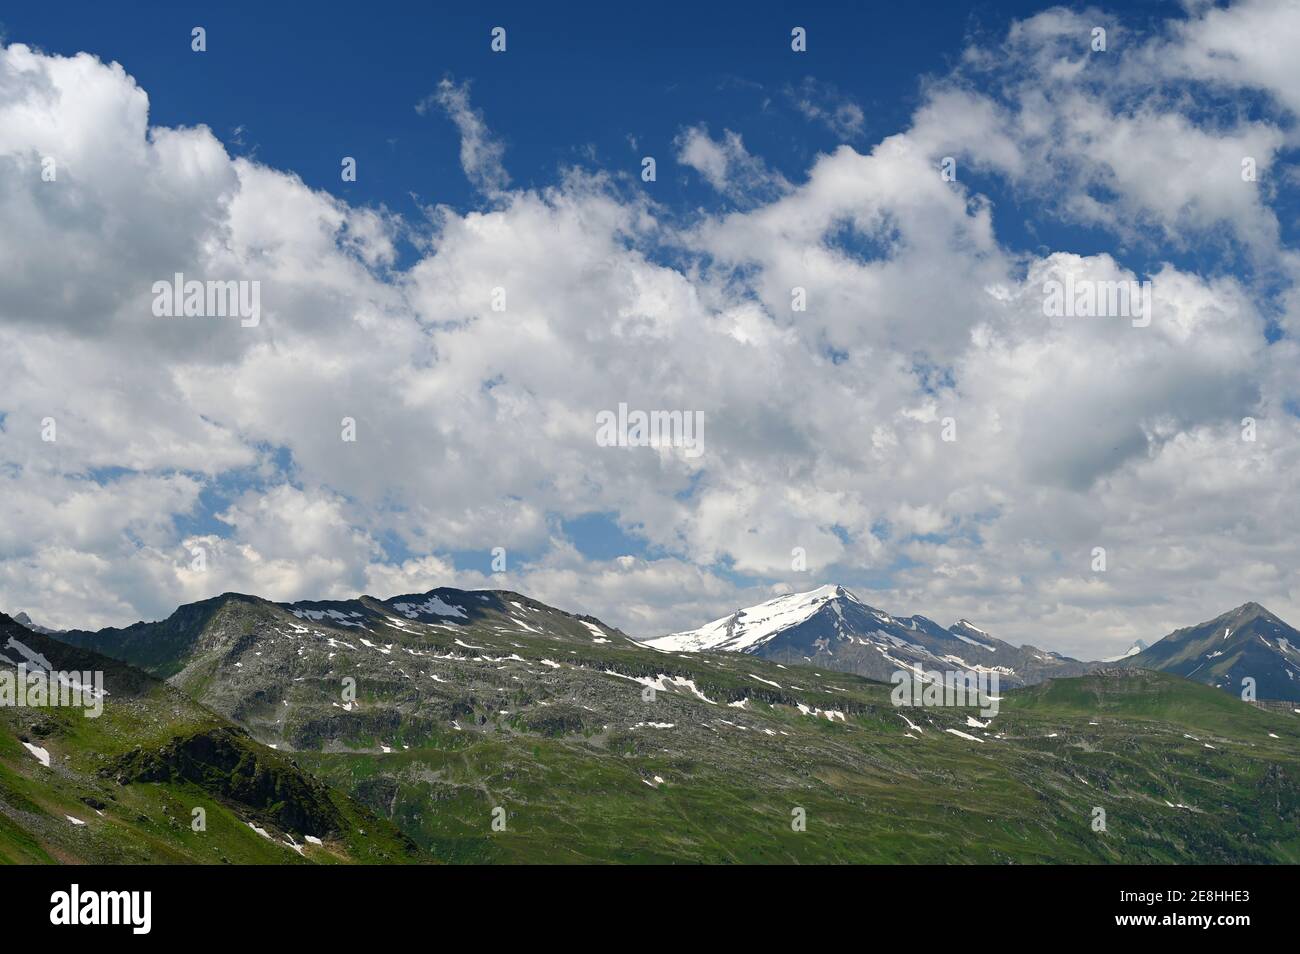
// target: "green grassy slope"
[[1025, 793], [545, 716], [97, 770]]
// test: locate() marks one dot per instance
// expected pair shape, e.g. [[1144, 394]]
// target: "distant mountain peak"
[[829, 626], [1137, 647], [22, 619], [745, 630], [1250, 609], [1247, 642], [828, 591]]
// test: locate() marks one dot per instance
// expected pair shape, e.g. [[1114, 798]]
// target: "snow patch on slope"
[[433, 606]]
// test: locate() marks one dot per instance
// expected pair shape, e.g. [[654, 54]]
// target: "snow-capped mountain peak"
[[746, 630], [829, 626]]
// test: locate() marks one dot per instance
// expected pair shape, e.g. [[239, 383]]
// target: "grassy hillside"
[[546, 717], [133, 777]]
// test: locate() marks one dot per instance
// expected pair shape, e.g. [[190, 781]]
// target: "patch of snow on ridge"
[[831, 715], [433, 606], [661, 682], [343, 619], [967, 626], [973, 642], [38, 753]]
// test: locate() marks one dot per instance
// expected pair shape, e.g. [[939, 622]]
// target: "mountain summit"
[[831, 627], [747, 630], [1137, 647], [22, 619], [1246, 642]]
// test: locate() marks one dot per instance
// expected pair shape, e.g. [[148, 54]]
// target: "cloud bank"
[[915, 426]]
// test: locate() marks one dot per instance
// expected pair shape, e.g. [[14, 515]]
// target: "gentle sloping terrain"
[[435, 710]]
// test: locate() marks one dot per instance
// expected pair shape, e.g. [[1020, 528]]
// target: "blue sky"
[[299, 91], [346, 78], [775, 168]]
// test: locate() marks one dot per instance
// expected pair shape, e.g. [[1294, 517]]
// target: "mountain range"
[[486, 726], [832, 628]]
